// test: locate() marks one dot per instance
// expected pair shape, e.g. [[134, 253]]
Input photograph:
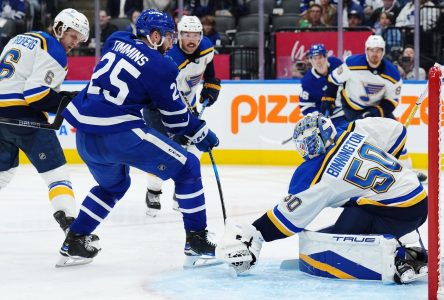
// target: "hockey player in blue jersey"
[[112, 136], [34, 65], [314, 83], [353, 167], [371, 87], [194, 57]]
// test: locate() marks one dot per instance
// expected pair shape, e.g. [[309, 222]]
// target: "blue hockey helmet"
[[313, 135], [317, 49], [151, 20]]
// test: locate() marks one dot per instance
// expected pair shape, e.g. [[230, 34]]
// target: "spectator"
[[391, 35], [106, 28], [390, 6], [299, 68], [13, 9], [13, 13], [369, 7], [350, 5], [209, 23], [428, 15], [176, 16], [216, 7], [406, 64], [162, 5], [329, 13], [354, 19], [132, 5], [132, 26], [313, 17]]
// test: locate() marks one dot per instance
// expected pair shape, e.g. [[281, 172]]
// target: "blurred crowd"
[[225, 22]]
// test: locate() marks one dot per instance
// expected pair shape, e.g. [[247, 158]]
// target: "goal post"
[[435, 283]]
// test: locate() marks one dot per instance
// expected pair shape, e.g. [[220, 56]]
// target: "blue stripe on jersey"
[[399, 143], [35, 91], [11, 96], [55, 49], [59, 183], [287, 223]]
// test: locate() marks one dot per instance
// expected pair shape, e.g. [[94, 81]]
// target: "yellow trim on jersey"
[[389, 78], [42, 39], [202, 53], [184, 64], [325, 267], [212, 86], [37, 97], [59, 191], [18, 102], [407, 203], [331, 153], [358, 68], [278, 224], [349, 102], [400, 147], [381, 111]]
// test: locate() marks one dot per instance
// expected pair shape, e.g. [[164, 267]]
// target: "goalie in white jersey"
[[355, 168], [34, 65]]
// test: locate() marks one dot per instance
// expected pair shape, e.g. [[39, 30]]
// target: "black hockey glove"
[[210, 91], [327, 106], [68, 94]]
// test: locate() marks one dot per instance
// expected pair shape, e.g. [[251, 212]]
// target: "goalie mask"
[[71, 18], [313, 135]]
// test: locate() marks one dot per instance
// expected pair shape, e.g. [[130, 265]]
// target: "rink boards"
[[252, 118]]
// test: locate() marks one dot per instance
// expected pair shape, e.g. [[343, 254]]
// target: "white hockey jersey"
[[191, 72], [359, 169], [32, 64], [366, 87]]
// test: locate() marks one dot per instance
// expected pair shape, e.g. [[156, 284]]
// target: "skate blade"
[[66, 261], [192, 262]]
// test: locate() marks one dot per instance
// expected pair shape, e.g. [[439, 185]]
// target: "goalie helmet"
[[189, 24], [313, 135], [71, 18], [375, 41], [153, 20]]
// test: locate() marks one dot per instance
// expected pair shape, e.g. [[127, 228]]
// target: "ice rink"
[[142, 257]]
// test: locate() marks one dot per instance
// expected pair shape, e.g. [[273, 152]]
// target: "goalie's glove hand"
[[327, 105], [68, 94], [203, 138], [371, 112], [210, 91]]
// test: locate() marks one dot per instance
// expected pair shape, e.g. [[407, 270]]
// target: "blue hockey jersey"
[[129, 77], [314, 86]]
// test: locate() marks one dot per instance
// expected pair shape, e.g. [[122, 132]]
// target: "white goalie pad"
[[347, 256]]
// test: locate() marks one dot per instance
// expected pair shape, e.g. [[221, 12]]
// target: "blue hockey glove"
[[204, 138], [327, 105], [210, 91]]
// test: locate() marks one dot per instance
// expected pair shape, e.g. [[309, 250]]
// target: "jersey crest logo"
[[373, 89], [192, 81]]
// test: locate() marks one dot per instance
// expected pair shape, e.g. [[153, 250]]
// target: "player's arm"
[[335, 79], [391, 99], [41, 88], [211, 86], [176, 116]]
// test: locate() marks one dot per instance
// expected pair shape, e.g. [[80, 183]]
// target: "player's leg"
[[170, 160], [43, 149], [8, 161]]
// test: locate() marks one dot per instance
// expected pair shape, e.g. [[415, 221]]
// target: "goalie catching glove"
[[210, 91], [240, 247], [203, 138]]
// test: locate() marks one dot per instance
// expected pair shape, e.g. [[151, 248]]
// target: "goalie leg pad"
[[347, 256]]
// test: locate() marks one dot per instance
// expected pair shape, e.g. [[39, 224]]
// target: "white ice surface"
[[142, 257]]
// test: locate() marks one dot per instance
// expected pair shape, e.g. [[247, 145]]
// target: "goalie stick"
[[55, 125]]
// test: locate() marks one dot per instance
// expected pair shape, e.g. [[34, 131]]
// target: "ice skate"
[[405, 273], [63, 220], [199, 251], [78, 249], [153, 202]]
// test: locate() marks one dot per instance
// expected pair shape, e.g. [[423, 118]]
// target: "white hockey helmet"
[[313, 135], [375, 41], [71, 18], [189, 24]]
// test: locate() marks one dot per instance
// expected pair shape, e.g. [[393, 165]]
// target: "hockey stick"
[[213, 162], [55, 125]]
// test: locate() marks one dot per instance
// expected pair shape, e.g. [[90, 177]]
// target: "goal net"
[[435, 156]]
